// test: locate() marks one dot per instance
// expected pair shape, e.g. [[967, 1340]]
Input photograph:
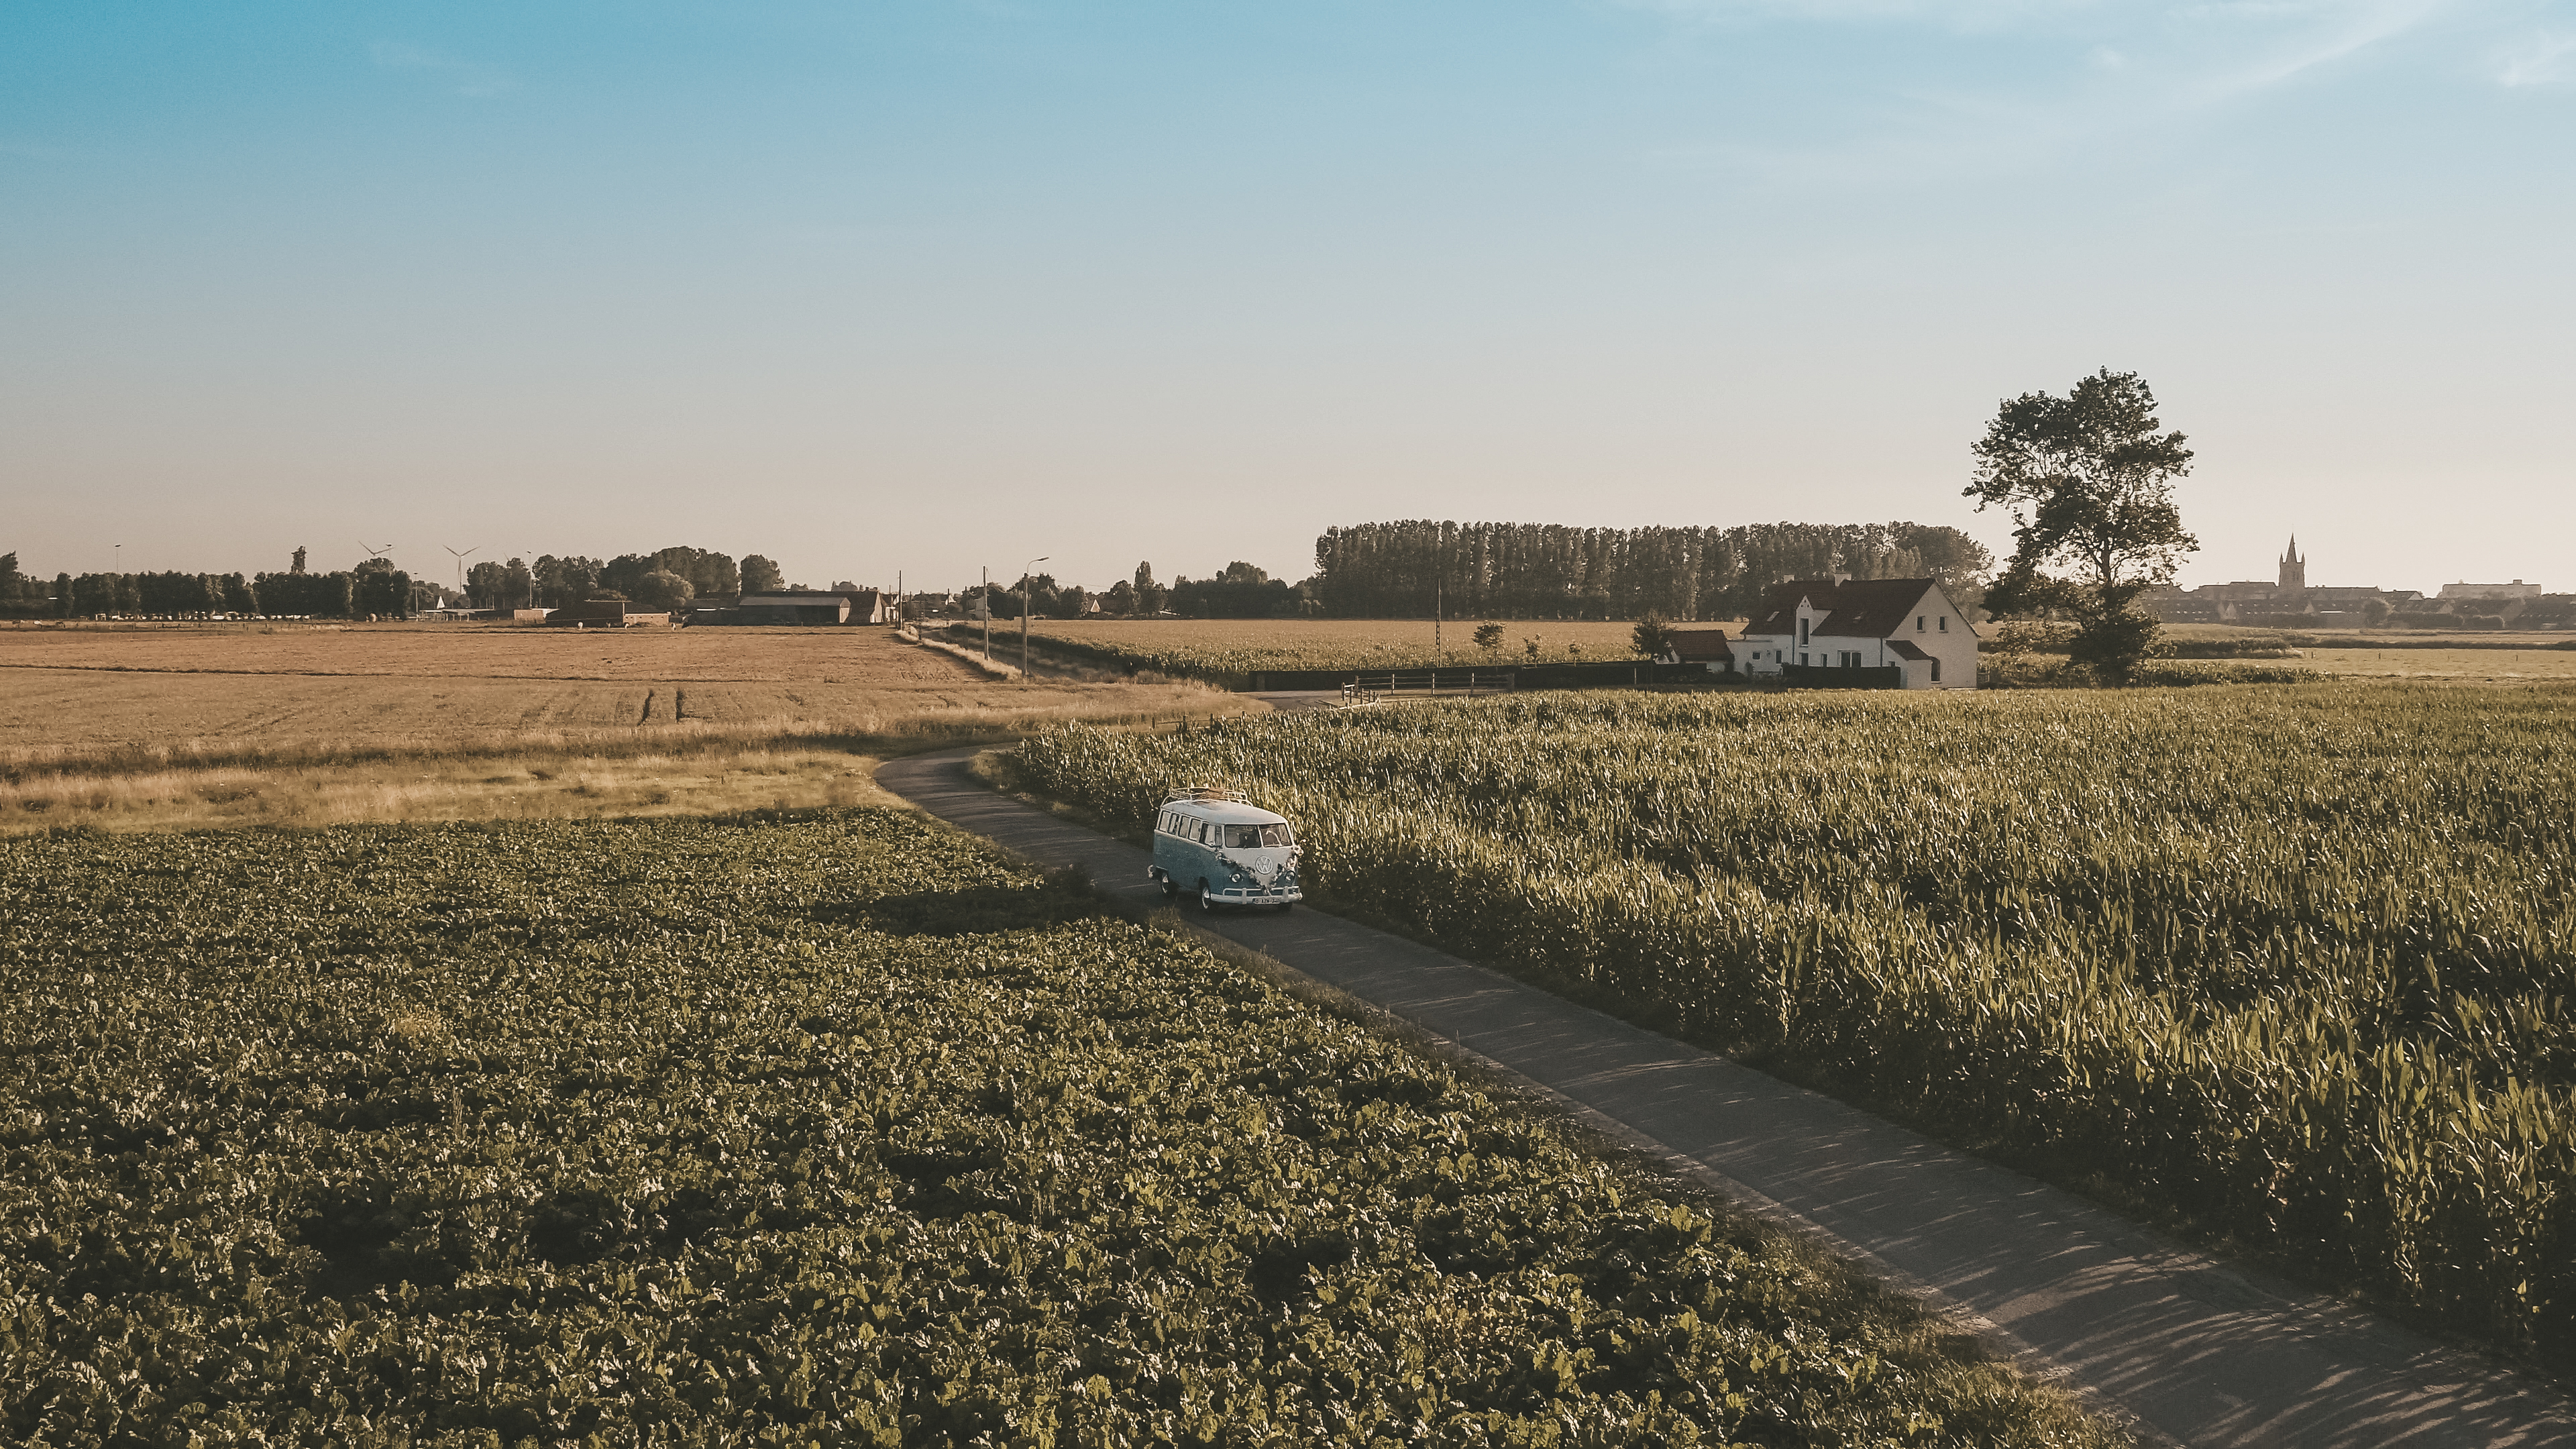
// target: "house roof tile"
[[1694, 646], [1854, 608]]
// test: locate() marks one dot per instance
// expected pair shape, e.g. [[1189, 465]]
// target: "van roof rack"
[[1180, 793]]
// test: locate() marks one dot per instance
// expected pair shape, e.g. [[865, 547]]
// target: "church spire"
[[2294, 569]]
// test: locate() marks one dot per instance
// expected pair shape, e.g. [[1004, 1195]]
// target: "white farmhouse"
[[1903, 624]]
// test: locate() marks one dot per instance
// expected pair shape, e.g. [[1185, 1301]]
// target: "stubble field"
[[179, 726], [2483, 666], [1230, 648]]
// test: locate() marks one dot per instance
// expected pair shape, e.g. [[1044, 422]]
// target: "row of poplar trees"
[[1408, 568], [372, 588]]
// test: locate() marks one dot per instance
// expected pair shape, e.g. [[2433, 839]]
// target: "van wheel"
[[1170, 886], [1207, 902]]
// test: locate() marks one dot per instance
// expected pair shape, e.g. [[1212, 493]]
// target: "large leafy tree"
[[2088, 480], [760, 576], [663, 589]]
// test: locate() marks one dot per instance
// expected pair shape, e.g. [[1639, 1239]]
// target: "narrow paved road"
[[2196, 1350]]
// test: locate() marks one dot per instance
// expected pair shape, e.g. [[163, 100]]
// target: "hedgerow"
[[2295, 962], [830, 1131]]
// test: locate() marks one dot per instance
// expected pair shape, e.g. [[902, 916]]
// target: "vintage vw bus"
[[1218, 846]]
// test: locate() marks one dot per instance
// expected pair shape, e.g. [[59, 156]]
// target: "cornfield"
[[2295, 962]]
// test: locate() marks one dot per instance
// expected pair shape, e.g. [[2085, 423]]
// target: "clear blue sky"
[[931, 286]]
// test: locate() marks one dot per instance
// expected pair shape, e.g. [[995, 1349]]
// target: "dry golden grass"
[[2485, 666], [1346, 643], [488, 651], [84, 719], [541, 785], [186, 727], [2490, 638]]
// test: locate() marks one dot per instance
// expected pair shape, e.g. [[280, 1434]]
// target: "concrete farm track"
[[2187, 1347]]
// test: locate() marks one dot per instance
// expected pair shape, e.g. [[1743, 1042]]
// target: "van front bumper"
[[1251, 895]]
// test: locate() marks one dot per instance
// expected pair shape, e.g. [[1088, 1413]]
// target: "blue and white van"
[[1219, 847]]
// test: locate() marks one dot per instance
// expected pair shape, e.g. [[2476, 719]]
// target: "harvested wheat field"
[[1221, 648], [176, 727], [2484, 666], [498, 651]]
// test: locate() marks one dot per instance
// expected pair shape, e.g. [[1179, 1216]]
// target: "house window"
[[1945, 623], [1918, 623], [1936, 671], [1802, 636], [1802, 661]]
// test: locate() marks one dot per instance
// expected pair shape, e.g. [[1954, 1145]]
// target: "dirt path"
[[2196, 1349]]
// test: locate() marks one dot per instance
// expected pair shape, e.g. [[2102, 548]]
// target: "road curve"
[[2192, 1349]]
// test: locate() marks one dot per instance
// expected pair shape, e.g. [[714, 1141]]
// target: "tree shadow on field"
[[1057, 897]]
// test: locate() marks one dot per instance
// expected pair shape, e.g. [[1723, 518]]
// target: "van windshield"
[[1252, 837]]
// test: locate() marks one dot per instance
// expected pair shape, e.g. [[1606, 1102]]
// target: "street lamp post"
[[1024, 614]]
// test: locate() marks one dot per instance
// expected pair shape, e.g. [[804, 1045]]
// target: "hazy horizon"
[[928, 287]]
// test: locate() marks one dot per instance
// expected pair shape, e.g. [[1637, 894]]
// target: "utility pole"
[[984, 606], [1024, 614], [1437, 604]]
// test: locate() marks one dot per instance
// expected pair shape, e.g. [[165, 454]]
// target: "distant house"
[[1907, 625], [1704, 647], [868, 606], [2515, 590], [606, 614]]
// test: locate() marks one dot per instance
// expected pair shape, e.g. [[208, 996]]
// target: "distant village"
[[2288, 600]]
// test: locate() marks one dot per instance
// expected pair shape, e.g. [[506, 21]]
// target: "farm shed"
[[791, 606], [1706, 648], [605, 614], [809, 606], [1907, 626]]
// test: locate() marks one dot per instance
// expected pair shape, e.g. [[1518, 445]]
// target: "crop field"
[[487, 651], [820, 1130], [2481, 665], [1228, 649], [2295, 962], [188, 726]]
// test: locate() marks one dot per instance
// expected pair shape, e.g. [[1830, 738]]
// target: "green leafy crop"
[[752, 1132]]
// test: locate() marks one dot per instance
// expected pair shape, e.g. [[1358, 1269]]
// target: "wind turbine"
[[374, 552], [460, 563]]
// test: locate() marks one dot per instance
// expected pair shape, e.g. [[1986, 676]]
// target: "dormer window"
[[1802, 632]]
